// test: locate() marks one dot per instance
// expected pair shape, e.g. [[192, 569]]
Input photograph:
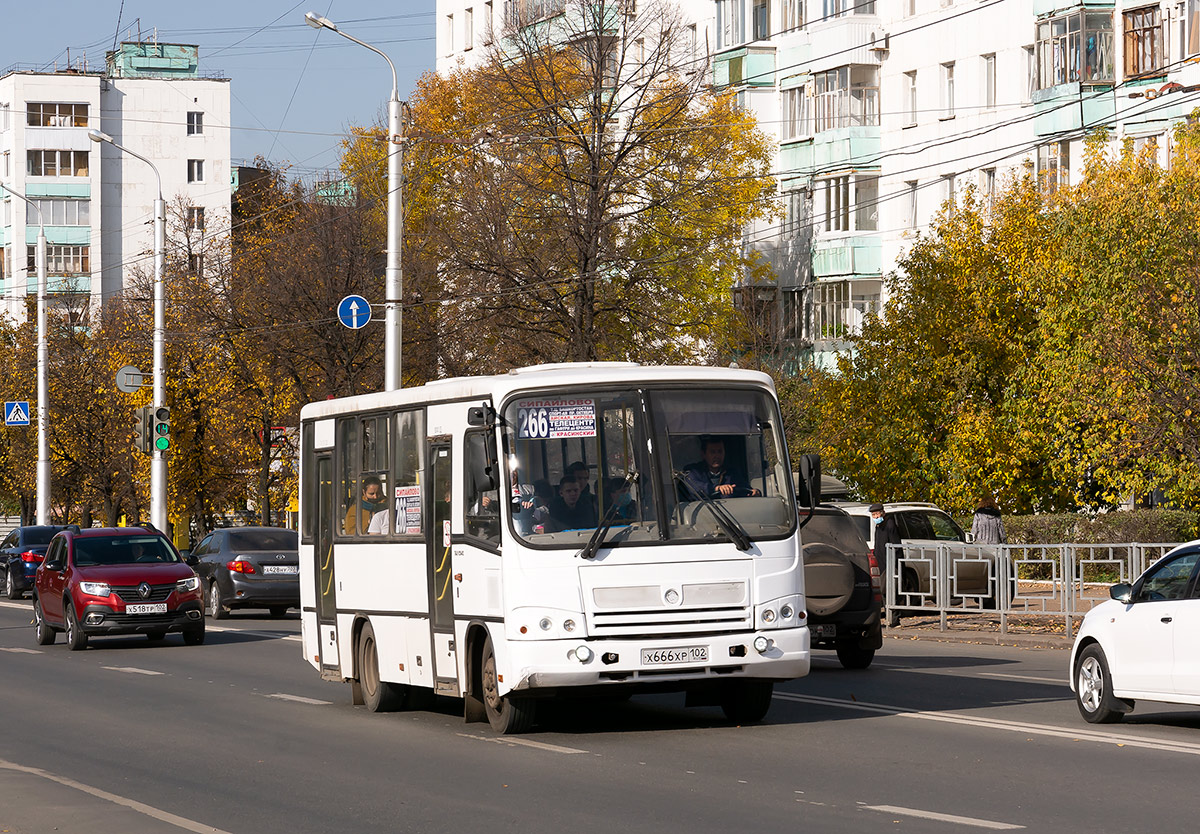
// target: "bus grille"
[[673, 621]]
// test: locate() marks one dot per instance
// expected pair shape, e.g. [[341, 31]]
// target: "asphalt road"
[[240, 735]]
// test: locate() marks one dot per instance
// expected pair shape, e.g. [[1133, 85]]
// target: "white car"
[[1141, 644]]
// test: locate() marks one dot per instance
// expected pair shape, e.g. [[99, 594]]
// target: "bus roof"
[[557, 375]]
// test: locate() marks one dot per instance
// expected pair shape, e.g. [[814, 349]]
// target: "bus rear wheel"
[[506, 714], [378, 695]]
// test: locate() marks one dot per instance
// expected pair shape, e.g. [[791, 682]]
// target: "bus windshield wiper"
[[728, 524], [597, 539]]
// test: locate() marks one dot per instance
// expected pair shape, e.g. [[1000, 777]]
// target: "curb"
[[985, 638]]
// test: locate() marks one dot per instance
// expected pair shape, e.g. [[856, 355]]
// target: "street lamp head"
[[317, 22], [97, 136]]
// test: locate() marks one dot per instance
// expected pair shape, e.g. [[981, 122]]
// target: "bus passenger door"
[[325, 585], [441, 593]]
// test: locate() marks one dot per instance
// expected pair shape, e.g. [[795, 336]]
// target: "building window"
[[56, 212], [796, 220], [989, 81], [910, 8], [1075, 47], [791, 15], [1143, 41], [731, 22], [6, 166], [1188, 15], [989, 187], [195, 171], [60, 260], [3, 263], [841, 8], [1031, 71], [449, 34], [791, 313], [848, 203], [761, 16], [468, 28], [947, 90], [195, 218], [4, 114], [846, 97], [488, 23], [910, 81], [195, 123], [53, 114], [910, 195], [639, 59], [56, 163], [196, 264], [1054, 166], [839, 308], [796, 122], [948, 189]]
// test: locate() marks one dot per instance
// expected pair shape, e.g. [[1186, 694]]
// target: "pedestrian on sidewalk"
[[986, 526]]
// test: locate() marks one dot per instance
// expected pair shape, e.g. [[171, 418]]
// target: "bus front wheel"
[[378, 695], [746, 701], [506, 714]]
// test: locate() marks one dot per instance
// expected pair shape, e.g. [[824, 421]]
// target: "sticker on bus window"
[[408, 510], [554, 419]]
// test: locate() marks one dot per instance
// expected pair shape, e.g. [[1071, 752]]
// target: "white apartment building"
[[97, 203], [885, 109]]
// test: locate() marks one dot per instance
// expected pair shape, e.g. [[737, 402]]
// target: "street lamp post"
[[158, 457], [393, 277], [43, 420]]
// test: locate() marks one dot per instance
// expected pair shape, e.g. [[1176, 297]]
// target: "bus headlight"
[[761, 644], [768, 615], [583, 654], [545, 624]]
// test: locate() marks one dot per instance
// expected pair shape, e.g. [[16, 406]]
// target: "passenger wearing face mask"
[[886, 532], [619, 504], [358, 518]]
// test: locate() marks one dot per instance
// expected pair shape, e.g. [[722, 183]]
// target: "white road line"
[[524, 742], [1000, 724], [133, 670], [299, 699], [933, 815], [16, 605], [276, 634], [21, 651], [163, 816], [1062, 681], [969, 674]]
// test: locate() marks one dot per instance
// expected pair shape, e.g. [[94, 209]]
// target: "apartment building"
[[97, 203], [886, 110]]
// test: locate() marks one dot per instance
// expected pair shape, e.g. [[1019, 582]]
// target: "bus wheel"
[[506, 714], [379, 696], [746, 701]]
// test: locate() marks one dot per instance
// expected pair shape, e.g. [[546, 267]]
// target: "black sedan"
[[249, 567], [20, 554]]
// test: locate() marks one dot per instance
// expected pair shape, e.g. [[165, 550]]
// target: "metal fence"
[[1023, 580]]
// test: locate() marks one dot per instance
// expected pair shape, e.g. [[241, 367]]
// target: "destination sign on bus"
[[408, 509], [551, 419]]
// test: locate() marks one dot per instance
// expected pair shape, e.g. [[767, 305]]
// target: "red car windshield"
[[122, 550]]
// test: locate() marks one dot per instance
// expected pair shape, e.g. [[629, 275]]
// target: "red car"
[[122, 580]]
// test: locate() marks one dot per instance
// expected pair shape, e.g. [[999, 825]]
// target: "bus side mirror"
[[810, 479], [481, 415]]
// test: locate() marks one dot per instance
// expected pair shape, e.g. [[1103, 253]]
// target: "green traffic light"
[[162, 443]]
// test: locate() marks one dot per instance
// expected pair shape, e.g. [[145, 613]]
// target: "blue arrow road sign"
[[354, 311], [16, 413]]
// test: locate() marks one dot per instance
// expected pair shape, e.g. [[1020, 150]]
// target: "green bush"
[[1143, 526]]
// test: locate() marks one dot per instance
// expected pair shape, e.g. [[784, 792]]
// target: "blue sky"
[[295, 90]]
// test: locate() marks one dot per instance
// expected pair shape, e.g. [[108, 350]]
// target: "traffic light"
[[142, 427], [162, 428]]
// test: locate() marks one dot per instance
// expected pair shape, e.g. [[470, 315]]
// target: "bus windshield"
[[649, 464]]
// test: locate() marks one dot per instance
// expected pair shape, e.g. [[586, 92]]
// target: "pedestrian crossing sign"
[[16, 414]]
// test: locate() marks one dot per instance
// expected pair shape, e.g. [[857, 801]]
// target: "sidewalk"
[[984, 629]]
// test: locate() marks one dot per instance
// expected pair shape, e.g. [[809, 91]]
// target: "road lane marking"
[[524, 742], [299, 699], [966, 674], [21, 651], [933, 815], [133, 670], [278, 635], [1000, 724], [25, 607], [141, 808]]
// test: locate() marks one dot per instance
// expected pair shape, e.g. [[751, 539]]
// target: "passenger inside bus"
[[619, 502], [712, 476], [358, 517], [569, 511], [583, 477]]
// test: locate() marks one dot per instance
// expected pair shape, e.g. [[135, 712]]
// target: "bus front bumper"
[[660, 661]]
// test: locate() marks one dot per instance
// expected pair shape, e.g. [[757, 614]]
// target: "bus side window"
[[482, 503]]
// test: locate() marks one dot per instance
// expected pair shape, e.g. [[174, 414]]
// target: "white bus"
[[441, 551]]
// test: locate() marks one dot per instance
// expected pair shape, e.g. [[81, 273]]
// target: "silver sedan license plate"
[[147, 608], [682, 654]]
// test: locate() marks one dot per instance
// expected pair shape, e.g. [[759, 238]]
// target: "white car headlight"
[[192, 583], [95, 589]]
